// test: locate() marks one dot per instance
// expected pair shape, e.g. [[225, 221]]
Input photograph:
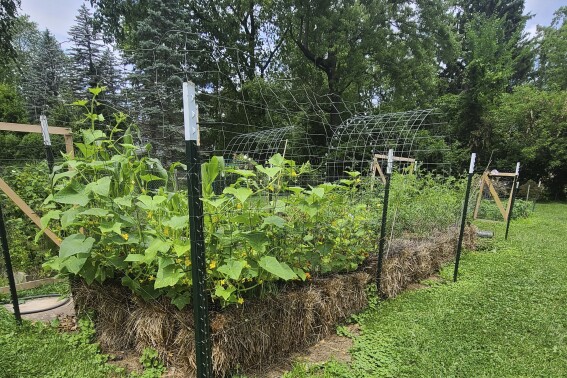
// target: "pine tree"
[[45, 83], [85, 53], [162, 58]]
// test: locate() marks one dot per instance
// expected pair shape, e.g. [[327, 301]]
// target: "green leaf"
[[157, 245], [52, 214], [135, 257], [300, 273], [123, 202], [242, 172], [319, 192], [75, 263], [75, 244], [270, 172], [72, 194], [241, 194], [177, 222], [182, 300], [275, 220], [68, 174], [96, 90], [223, 293], [258, 240], [216, 202], [68, 217], [89, 136], [181, 247], [295, 189], [278, 269], [149, 177], [149, 203], [232, 268], [277, 160], [111, 227], [100, 186], [95, 211], [167, 276]]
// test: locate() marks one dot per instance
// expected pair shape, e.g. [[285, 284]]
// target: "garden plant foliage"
[[261, 229]]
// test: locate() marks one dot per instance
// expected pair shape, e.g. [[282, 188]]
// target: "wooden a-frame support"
[[375, 167], [16, 127], [486, 180]]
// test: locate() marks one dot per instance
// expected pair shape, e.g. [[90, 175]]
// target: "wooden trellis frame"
[[375, 167], [486, 180], [28, 211]]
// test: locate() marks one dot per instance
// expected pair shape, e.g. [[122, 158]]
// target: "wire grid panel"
[[291, 142], [411, 134]]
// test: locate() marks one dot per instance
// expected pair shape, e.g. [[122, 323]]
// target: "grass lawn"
[[505, 317], [38, 350]]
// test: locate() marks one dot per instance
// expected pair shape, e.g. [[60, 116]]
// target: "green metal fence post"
[[196, 234], [9, 269], [464, 217], [384, 219], [514, 192]]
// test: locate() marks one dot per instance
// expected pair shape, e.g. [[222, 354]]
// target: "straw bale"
[[261, 331]]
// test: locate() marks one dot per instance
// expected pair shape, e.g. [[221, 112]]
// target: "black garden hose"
[[62, 303]]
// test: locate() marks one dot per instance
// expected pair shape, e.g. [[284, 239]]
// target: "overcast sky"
[[59, 15]]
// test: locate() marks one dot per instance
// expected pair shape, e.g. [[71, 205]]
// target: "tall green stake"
[[514, 192], [9, 269], [196, 234], [464, 217], [382, 241]]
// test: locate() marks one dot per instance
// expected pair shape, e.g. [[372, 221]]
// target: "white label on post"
[[517, 168], [44, 130], [473, 159], [190, 112], [390, 161]]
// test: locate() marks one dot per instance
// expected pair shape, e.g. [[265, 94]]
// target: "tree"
[[495, 56], [512, 22], [8, 15], [530, 126], [160, 46], [45, 84], [85, 53], [385, 51], [93, 64], [12, 107], [25, 36], [552, 50]]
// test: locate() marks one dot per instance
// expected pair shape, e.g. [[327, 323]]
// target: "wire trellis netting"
[[411, 134]]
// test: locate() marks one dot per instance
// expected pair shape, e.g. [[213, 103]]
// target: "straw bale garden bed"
[[285, 263]]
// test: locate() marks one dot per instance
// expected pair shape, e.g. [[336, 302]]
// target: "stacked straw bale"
[[262, 331]]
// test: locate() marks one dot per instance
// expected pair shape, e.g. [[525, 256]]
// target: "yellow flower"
[[239, 206], [271, 188], [125, 236], [240, 300], [293, 174], [213, 264], [151, 278], [187, 261], [307, 275]]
